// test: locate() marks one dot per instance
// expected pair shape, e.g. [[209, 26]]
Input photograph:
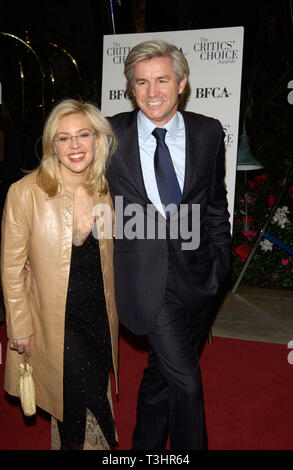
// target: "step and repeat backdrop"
[[215, 61]]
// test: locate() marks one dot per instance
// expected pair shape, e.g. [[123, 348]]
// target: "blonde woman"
[[62, 313]]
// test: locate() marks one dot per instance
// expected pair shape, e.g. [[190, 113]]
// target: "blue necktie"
[[167, 181]]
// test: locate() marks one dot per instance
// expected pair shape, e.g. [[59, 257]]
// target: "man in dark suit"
[[166, 288]]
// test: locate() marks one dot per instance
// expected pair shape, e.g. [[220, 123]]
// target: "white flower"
[[266, 245], [280, 216]]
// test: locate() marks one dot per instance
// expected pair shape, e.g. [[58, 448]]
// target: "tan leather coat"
[[39, 227]]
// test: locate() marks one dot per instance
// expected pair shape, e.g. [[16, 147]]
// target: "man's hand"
[[21, 345]]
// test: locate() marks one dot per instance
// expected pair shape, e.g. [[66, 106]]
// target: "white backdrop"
[[215, 61]]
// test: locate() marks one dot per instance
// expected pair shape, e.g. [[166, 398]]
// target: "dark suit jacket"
[[141, 264]]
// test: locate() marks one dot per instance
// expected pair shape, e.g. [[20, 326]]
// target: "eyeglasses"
[[82, 138]]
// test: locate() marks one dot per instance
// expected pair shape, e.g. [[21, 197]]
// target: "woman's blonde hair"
[[156, 48], [47, 172]]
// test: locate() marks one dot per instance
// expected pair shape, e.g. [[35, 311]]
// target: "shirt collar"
[[146, 127]]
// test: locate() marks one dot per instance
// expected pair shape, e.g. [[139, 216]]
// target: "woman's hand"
[[21, 345], [27, 266]]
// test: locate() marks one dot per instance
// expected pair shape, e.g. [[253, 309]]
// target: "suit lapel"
[[128, 145], [193, 148]]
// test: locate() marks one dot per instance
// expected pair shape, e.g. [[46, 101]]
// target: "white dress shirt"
[[175, 140]]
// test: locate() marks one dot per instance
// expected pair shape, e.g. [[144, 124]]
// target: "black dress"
[[87, 349]]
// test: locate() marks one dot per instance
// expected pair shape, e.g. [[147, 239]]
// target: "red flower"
[[250, 234], [251, 184], [260, 179], [250, 219], [242, 251], [271, 200]]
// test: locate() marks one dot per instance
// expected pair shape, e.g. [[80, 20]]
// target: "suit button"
[[165, 254]]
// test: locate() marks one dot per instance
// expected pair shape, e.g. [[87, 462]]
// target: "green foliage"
[[271, 266], [269, 123]]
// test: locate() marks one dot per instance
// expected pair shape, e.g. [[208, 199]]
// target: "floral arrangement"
[[271, 265]]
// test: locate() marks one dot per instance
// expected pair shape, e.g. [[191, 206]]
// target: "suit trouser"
[[170, 396]]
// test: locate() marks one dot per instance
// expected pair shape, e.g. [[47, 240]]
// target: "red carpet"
[[248, 397]]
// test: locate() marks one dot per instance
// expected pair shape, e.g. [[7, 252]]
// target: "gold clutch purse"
[[26, 388]]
